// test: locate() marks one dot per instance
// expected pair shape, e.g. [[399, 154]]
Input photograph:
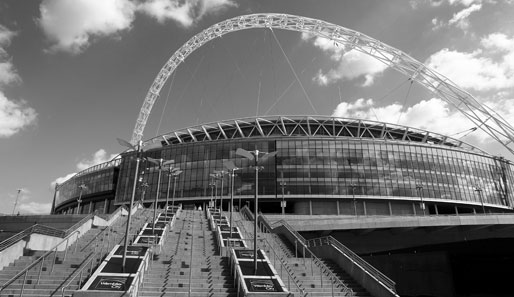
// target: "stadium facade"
[[324, 165]]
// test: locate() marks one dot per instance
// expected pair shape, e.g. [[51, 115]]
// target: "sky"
[[74, 74]]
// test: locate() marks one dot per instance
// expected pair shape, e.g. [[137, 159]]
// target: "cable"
[[405, 101], [294, 72], [165, 104]]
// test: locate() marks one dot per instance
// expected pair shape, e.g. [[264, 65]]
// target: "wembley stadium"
[[323, 165]]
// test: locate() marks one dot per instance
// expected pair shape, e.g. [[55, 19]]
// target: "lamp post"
[[354, 200], [419, 187], [214, 177], [137, 149], [175, 176], [16, 201], [479, 191], [171, 169], [221, 176], [211, 184], [160, 162], [231, 167], [82, 187], [254, 156], [283, 203]]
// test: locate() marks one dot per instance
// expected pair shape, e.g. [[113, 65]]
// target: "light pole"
[[175, 176], [214, 177], [231, 167], [254, 156], [82, 187], [419, 187], [160, 162], [16, 201], [354, 200], [137, 149], [283, 203], [221, 176], [171, 169], [479, 191], [211, 184]]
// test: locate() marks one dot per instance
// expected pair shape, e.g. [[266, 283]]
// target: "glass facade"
[[320, 160]]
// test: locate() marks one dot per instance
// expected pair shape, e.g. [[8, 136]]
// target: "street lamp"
[[214, 177], [211, 184], [354, 200], [231, 167], [479, 191], [283, 203], [171, 169], [419, 187], [175, 176], [254, 156], [138, 150], [16, 201], [82, 187], [221, 175], [160, 162]]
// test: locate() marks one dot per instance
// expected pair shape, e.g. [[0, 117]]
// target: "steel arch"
[[482, 116]]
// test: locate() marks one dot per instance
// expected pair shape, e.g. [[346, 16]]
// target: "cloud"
[[186, 13], [490, 68], [34, 208], [14, 116], [434, 115], [98, 157], [350, 64], [460, 19], [70, 25]]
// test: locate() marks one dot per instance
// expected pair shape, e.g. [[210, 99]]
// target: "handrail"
[[96, 255], [283, 263], [37, 228], [81, 222], [247, 212], [299, 238], [41, 259], [329, 240]]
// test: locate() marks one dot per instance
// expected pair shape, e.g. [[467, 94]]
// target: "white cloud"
[[460, 19], [70, 25], [186, 13], [434, 115], [34, 208], [98, 157], [491, 68], [350, 64], [14, 116], [8, 73]]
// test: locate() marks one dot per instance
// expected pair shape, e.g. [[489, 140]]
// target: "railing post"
[[65, 249], [296, 248], [321, 276], [23, 284], [40, 269], [53, 262]]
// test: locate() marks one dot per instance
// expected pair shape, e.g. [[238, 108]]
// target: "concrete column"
[[337, 204], [90, 206], [436, 210], [364, 207], [390, 208], [105, 206], [414, 208], [310, 207]]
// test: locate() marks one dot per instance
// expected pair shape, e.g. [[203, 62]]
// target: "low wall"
[[11, 253]]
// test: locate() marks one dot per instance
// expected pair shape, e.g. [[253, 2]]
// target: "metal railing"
[[24, 272], [264, 244], [368, 268], [192, 248], [96, 256], [335, 280]]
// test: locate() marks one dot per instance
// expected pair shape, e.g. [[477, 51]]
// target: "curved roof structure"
[[310, 126]]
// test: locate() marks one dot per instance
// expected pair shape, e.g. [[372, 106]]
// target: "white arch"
[[482, 116]]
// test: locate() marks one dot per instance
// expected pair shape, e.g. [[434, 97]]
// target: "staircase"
[[52, 281], [309, 276], [189, 253]]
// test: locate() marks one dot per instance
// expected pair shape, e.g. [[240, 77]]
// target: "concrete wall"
[[11, 253]]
